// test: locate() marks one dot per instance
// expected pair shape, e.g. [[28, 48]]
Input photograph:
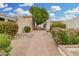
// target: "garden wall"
[[24, 21]]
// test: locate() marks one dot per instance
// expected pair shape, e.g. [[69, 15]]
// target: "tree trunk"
[[33, 24]]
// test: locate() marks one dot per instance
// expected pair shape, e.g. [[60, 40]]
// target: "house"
[[6, 18], [22, 21], [72, 23]]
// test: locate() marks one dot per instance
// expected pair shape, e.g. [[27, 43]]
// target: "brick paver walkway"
[[36, 43]]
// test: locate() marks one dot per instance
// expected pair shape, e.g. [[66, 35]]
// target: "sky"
[[57, 11]]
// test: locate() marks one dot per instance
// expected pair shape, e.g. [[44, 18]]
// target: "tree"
[[39, 15]]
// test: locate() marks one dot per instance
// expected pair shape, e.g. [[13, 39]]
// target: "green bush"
[[67, 37], [27, 29], [4, 44], [9, 28], [54, 31], [57, 25]]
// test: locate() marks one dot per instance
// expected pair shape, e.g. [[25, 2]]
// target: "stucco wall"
[[24, 21], [48, 25], [28, 22], [73, 23]]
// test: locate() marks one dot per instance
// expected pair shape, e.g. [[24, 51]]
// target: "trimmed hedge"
[[9, 28], [57, 24], [27, 29], [4, 44]]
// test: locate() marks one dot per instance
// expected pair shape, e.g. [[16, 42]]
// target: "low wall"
[[66, 50]]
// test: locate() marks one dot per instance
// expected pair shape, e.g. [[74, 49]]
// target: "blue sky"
[[57, 11]]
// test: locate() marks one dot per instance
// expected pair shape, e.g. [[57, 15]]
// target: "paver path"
[[36, 43]]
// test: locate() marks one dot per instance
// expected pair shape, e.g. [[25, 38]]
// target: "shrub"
[[76, 30], [4, 44], [9, 28], [27, 29], [67, 37], [54, 31], [57, 24]]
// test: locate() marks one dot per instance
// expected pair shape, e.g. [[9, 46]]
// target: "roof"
[[27, 16], [8, 17], [72, 20], [68, 20]]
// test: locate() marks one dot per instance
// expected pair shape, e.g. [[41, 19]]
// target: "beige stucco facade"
[[48, 25], [23, 21], [27, 21], [72, 23]]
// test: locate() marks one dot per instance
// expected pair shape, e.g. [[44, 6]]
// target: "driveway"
[[36, 43]]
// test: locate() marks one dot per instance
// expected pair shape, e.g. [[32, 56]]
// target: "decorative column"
[[6, 19]]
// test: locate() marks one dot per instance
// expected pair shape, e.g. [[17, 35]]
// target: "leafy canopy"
[[40, 15]]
